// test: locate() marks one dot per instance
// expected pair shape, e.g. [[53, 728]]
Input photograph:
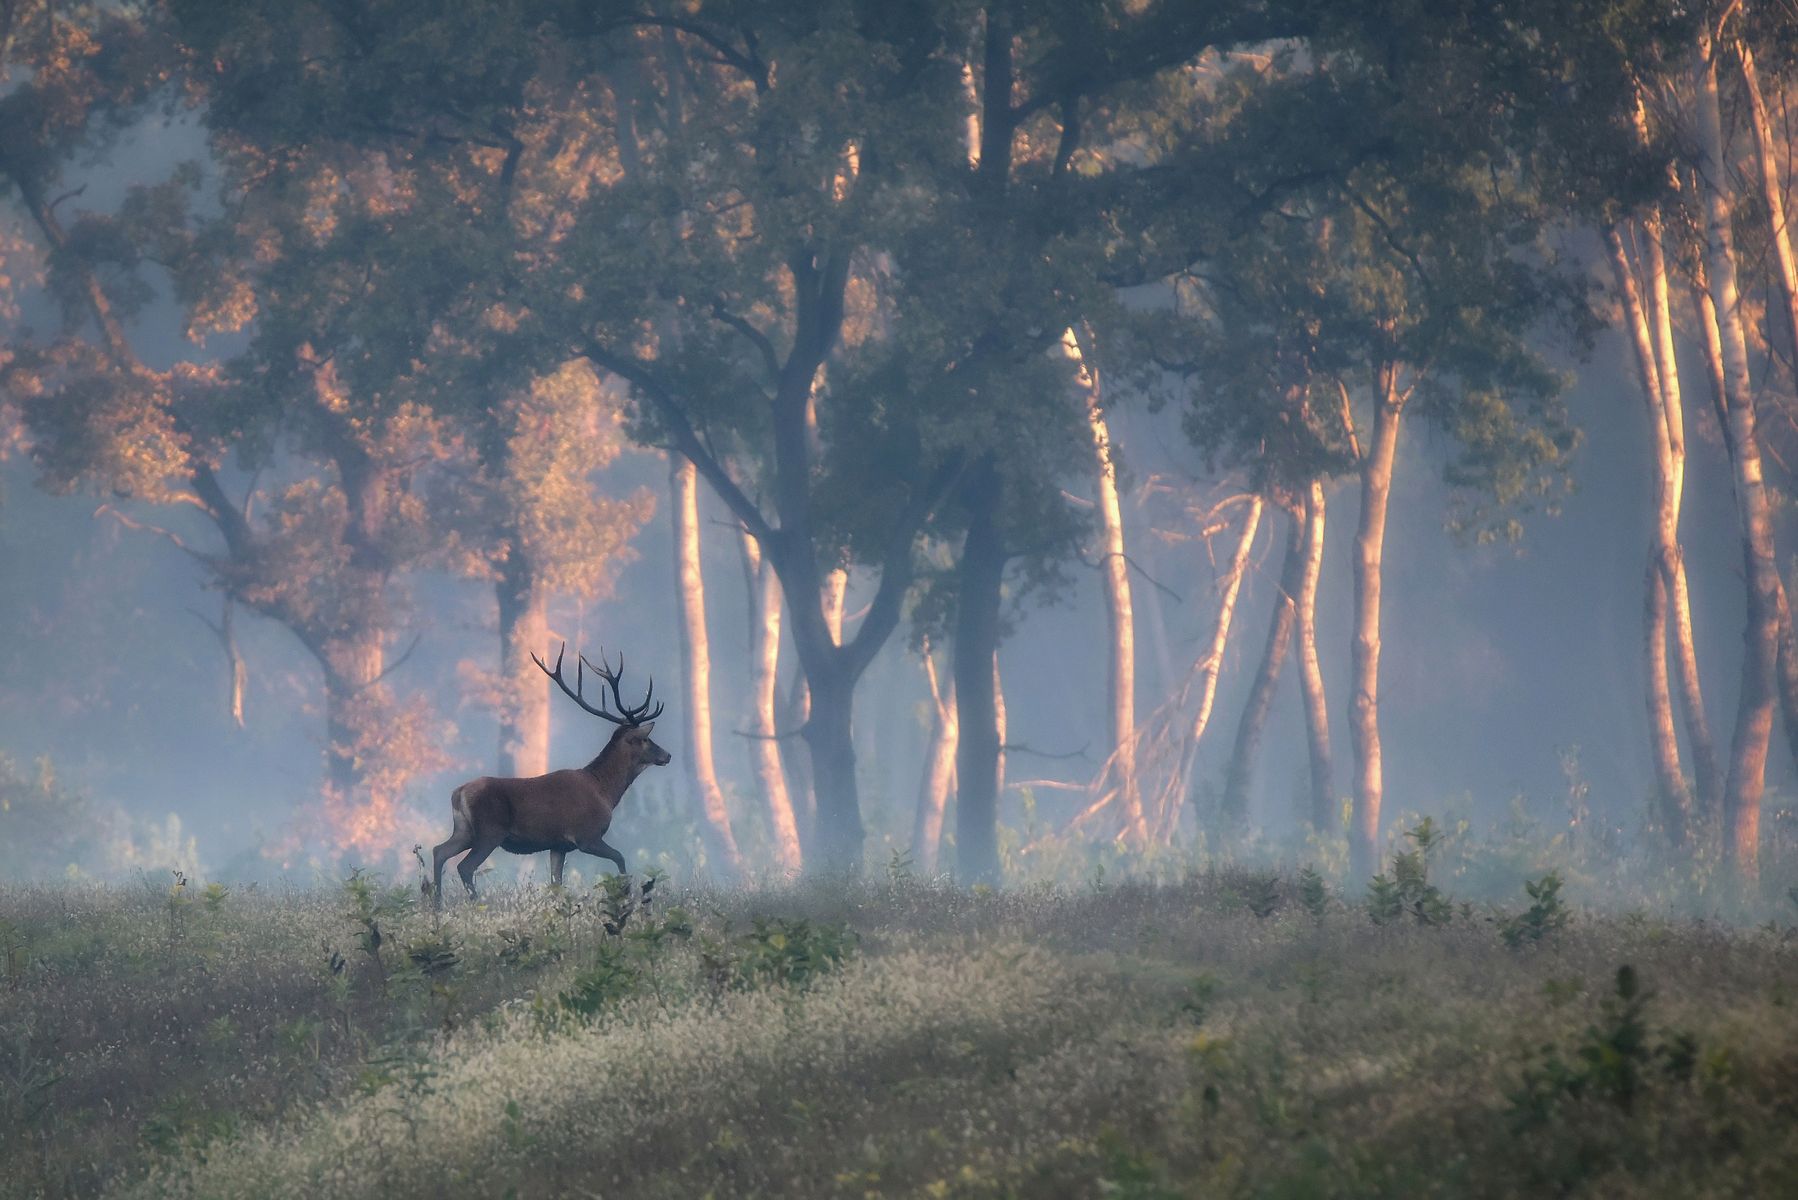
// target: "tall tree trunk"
[[1772, 196], [837, 843], [523, 631], [1120, 691], [1754, 716], [1671, 551], [1662, 739], [353, 662], [999, 725], [1240, 773], [696, 667], [1311, 677], [764, 668], [1788, 672], [1364, 657], [1208, 668], [799, 709], [939, 769], [1786, 277], [980, 575], [1663, 555]]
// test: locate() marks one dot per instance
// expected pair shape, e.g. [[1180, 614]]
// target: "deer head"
[[635, 722]]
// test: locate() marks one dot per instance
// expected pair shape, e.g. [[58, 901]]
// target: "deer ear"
[[646, 730]]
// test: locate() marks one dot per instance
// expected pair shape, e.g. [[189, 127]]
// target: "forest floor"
[[1232, 1034]]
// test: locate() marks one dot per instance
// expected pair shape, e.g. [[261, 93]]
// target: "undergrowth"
[[1232, 1033]]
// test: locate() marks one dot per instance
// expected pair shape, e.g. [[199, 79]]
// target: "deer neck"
[[613, 770]]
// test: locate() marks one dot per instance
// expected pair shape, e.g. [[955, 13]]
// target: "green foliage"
[[1615, 1062], [1314, 894], [1408, 890], [369, 902], [1261, 894], [1547, 913], [792, 953], [963, 1053], [614, 974]]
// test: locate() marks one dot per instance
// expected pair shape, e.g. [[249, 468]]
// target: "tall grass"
[[1231, 1033]]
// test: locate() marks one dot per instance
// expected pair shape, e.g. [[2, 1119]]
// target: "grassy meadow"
[[1228, 1033]]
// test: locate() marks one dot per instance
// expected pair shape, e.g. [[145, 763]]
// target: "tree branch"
[[747, 61], [896, 568], [686, 441], [755, 337]]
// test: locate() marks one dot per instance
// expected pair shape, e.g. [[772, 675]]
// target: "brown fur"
[[558, 812]]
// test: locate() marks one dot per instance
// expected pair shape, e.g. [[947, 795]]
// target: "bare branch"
[[755, 337], [1025, 748], [686, 440]]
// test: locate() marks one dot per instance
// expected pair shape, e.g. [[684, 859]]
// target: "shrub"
[[1546, 914]]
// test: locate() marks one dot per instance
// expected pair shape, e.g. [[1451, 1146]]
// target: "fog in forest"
[[1512, 681]]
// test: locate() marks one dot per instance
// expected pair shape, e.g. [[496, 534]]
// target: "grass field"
[[1232, 1034]]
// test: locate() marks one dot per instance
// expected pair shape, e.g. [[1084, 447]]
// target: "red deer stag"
[[561, 811]]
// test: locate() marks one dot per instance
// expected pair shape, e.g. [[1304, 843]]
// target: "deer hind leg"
[[471, 862], [599, 848], [461, 838], [556, 858]]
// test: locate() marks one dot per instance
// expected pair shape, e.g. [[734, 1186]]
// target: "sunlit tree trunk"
[[1364, 657], [523, 631], [1772, 196], [353, 663], [696, 667], [1672, 559], [1786, 278], [1229, 587], [999, 724], [1120, 692], [1240, 774], [939, 769], [1662, 736], [1788, 637], [764, 749], [980, 576], [1788, 671], [1754, 716], [1311, 677]]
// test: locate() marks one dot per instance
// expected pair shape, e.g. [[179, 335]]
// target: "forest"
[[1156, 537], [850, 370]]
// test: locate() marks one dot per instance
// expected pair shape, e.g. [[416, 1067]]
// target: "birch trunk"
[[1786, 277], [1663, 738], [1240, 774], [771, 778], [1120, 693], [523, 631], [939, 770], [696, 668], [1672, 551], [1754, 715], [1208, 667], [1788, 672], [1772, 195], [1311, 678], [1364, 657]]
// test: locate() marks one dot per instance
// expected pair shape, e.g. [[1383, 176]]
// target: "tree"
[[1405, 267], [1754, 714], [319, 557]]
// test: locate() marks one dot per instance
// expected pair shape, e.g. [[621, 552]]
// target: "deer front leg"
[[555, 867]]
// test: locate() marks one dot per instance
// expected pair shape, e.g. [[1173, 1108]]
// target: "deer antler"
[[626, 715], [633, 716]]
